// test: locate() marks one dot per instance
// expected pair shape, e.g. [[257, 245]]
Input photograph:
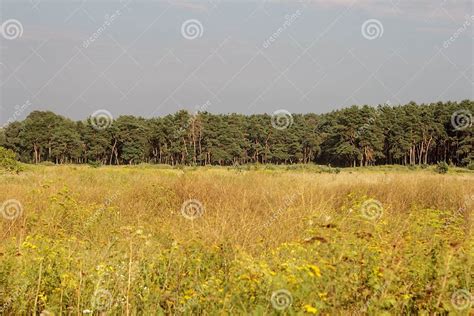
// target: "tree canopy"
[[355, 136]]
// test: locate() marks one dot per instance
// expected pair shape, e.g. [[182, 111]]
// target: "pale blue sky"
[[142, 64]]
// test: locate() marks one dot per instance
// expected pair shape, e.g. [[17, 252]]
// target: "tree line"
[[355, 136]]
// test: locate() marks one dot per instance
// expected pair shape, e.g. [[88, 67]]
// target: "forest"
[[355, 136]]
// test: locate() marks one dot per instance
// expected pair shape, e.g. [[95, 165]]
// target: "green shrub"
[[442, 167], [8, 161], [329, 169], [94, 164], [470, 165]]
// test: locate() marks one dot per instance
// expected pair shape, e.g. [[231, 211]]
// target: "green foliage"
[[470, 166], [329, 169], [358, 136], [442, 167], [8, 161], [94, 164]]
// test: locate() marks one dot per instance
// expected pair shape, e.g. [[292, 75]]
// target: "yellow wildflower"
[[314, 270], [323, 296], [310, 309]]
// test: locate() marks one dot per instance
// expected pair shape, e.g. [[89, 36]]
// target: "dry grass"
[[237, 204], [117, 214]]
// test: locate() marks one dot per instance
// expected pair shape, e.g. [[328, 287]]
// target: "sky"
[[151, 57]]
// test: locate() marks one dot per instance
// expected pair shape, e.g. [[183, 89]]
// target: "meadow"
[[157, 240]]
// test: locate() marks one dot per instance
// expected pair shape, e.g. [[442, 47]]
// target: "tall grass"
[[114, 239]]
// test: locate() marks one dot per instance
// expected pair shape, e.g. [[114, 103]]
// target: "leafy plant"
[[8, 161], [442, 167], [470, 166], [94, 164]]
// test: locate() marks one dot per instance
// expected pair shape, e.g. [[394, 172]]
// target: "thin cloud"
[[421, 9]]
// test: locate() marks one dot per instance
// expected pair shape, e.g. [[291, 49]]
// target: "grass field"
[[149, 240]]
